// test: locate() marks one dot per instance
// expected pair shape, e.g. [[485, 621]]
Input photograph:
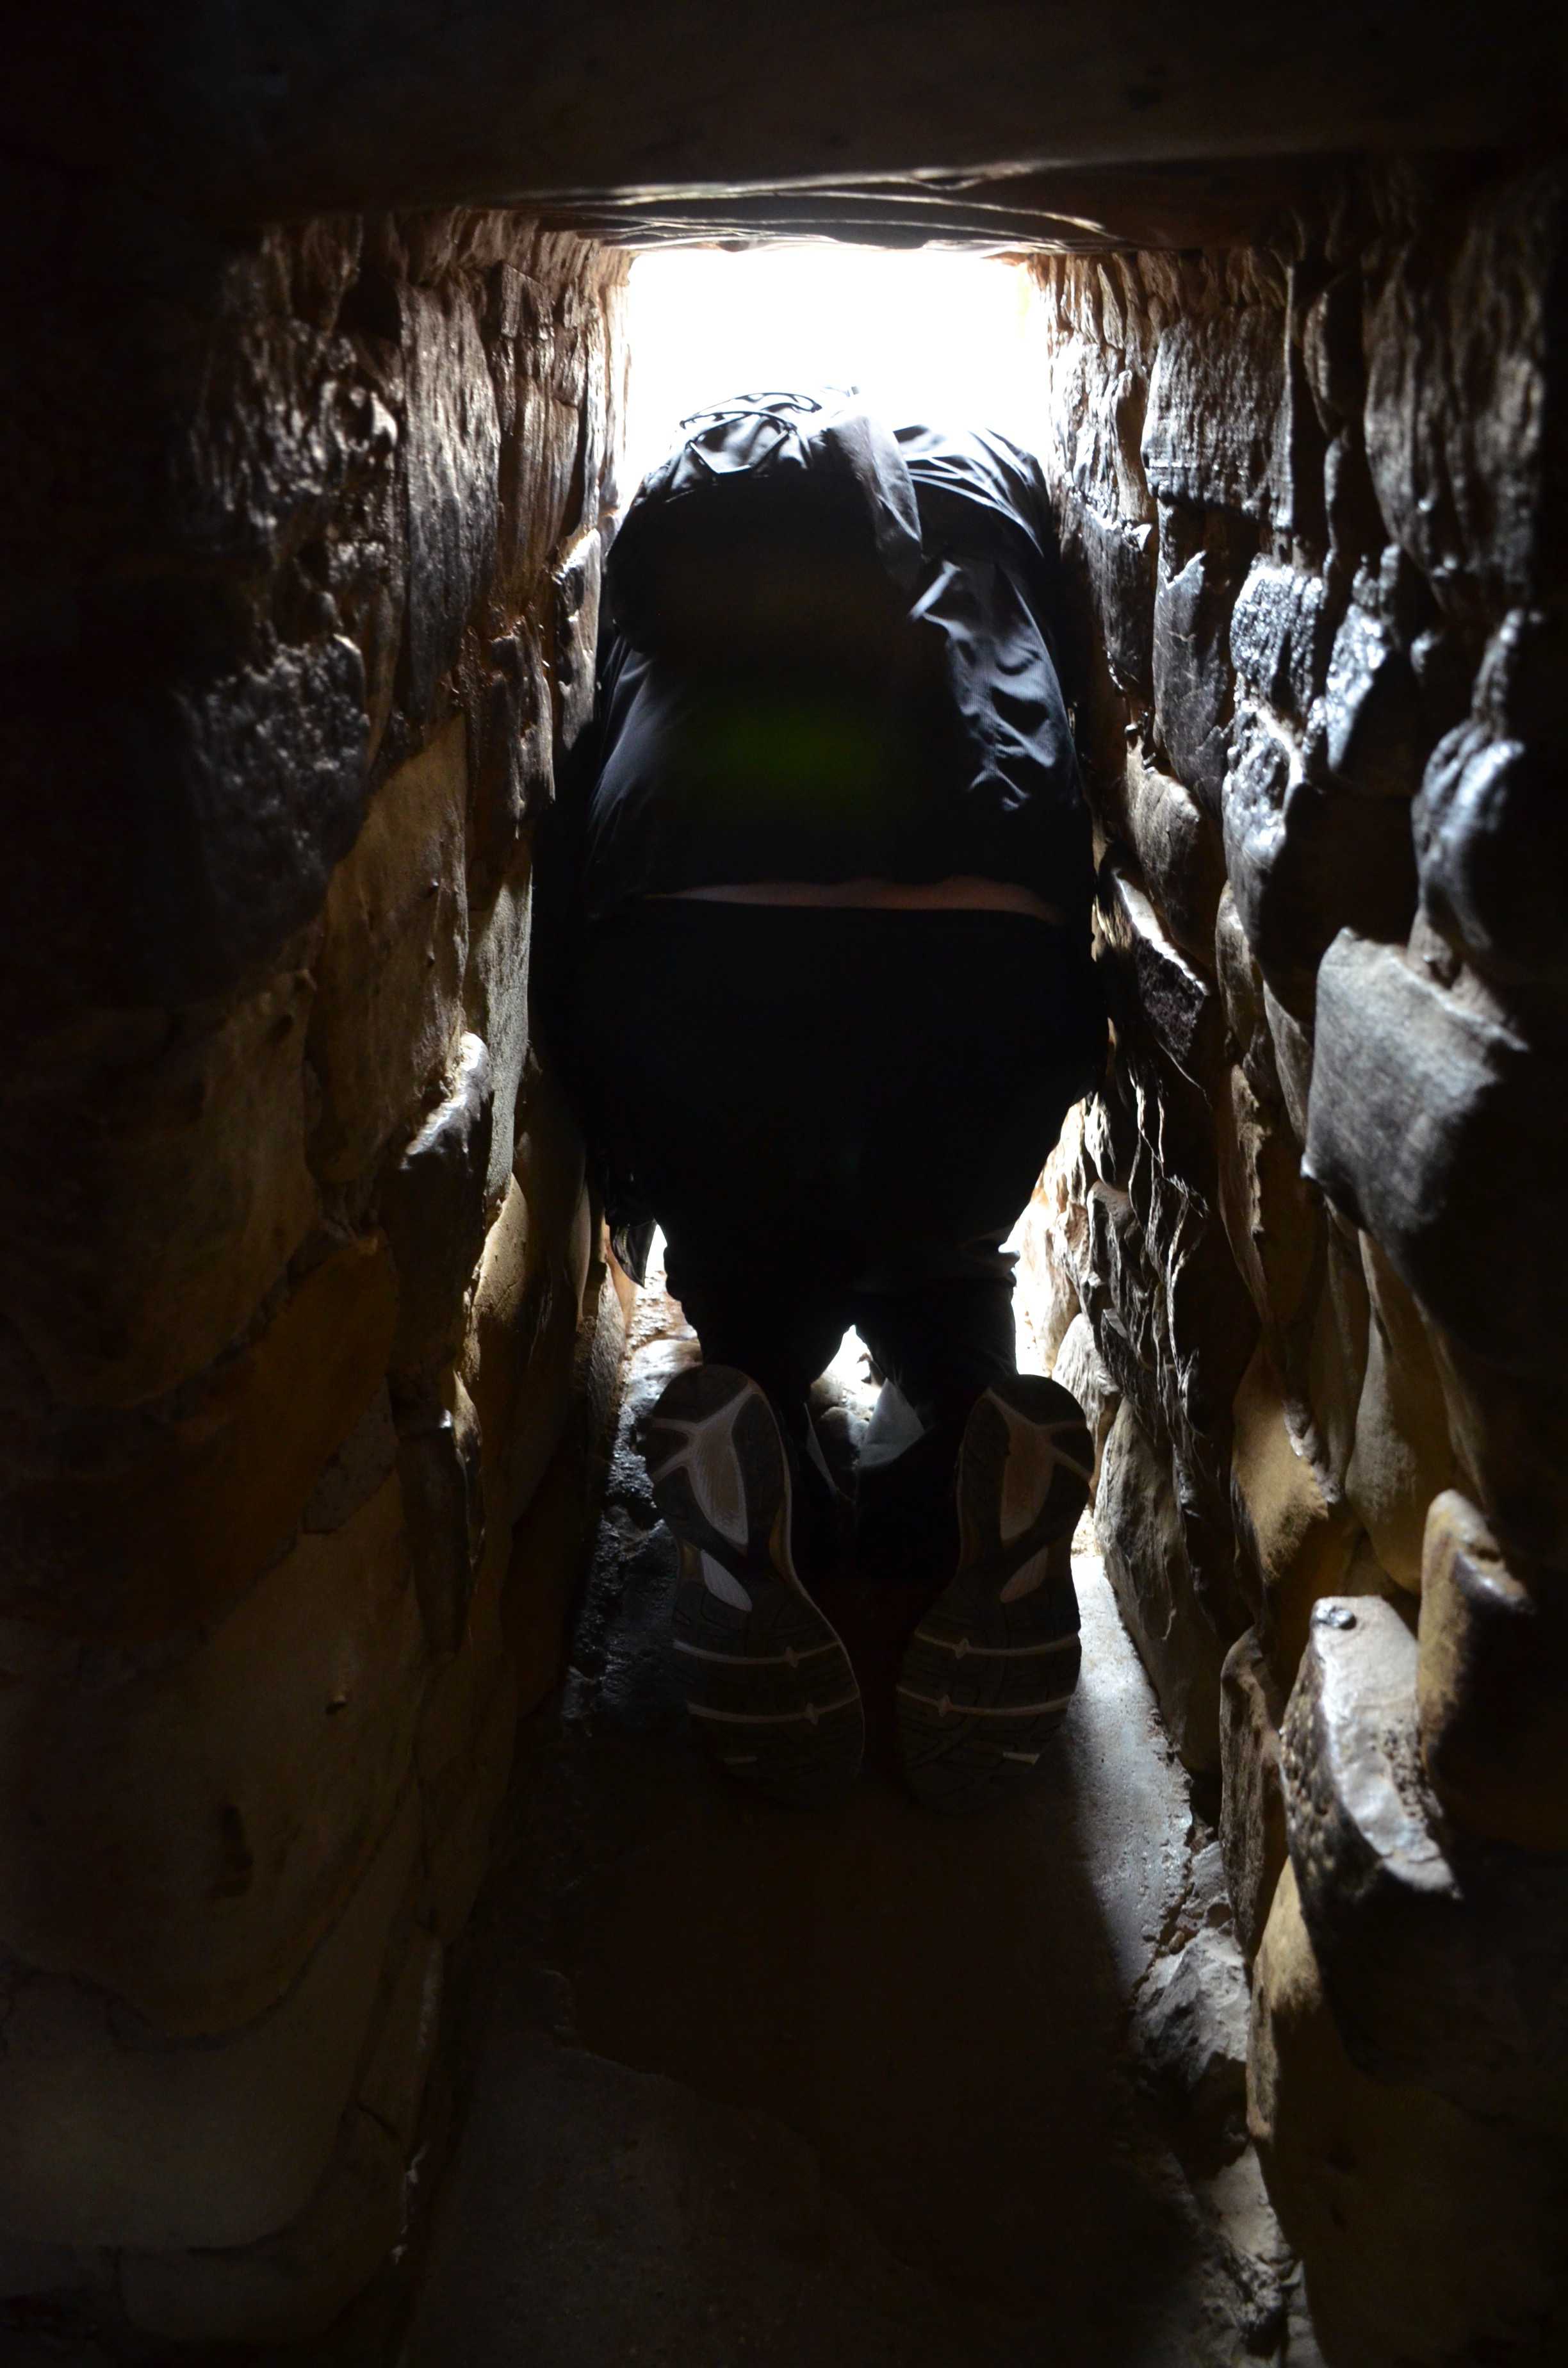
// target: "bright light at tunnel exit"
[[928, 335]]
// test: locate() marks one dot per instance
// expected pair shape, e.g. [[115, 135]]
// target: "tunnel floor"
[[752, 2088]]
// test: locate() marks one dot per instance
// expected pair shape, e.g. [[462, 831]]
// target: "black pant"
[[837, 1116]]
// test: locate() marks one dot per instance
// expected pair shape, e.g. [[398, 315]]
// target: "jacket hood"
[[772, 464]]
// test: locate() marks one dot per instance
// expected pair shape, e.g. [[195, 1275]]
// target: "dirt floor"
[[753, 2089]]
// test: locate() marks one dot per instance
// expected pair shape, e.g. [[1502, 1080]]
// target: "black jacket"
[[826, 655]]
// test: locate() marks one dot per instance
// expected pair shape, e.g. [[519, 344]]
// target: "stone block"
[[391, 2083], [111, 2136], [1365, 2174], [1443, 1955], [1290, 1047], [185, 1838], [1331, 351], [1297, 1536], [1298, 519], [1148, 973], [1305, 863], [450, 461], [516, 1360], [1519, 690], [1242, 992], [292, 2286], [463, 1799], [1355, 523], [129, 1552], [1371, 719], [534, 1294], [539, 461], [1491, 851], [1437, 1130], [1458, 415], [1099, 396], [577, 580], [1081, 1372], [358, 1469], [1443, 669], [1117, 562], [1272, 1219], [1047, 1298], [154, 1187], [1280, 638], [1215, 397], [1193, 681], [1401, 1457], [1334, 1383], [1178, 855], [1510, 1440], [549, 1553], [512, 759], [501, 1321], [271, 775], [496, 994], [443, 1494], [1209, 1324], [1138, 1525], [604, 364], [1252, 1799], [388, 1014], [1120, 1299], [544, 1393], [432, 1206], [461, 1688], [1190, 2032], [552, 1542], [1491, 1689], [210, 811]]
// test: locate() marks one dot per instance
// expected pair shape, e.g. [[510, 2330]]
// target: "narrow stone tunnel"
[[330, 1586]]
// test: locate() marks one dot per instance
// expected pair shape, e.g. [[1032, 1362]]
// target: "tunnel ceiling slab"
[[943, 121]]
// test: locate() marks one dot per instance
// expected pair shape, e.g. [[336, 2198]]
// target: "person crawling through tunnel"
[[812, 962]]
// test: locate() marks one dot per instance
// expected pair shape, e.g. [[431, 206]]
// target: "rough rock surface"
[[312, 561], [728, 2159], [1417, 1092], [1352, 461], [1366, 2173], [1443, 1955], [1139, 1523], [1252, 1816], [266, 979], [1494, 1710], [432, 1208]]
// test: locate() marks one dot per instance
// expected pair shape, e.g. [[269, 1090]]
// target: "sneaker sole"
[[989, 1672], [769, 1684]]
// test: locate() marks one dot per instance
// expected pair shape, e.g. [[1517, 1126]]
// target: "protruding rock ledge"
[[1492, 1684], [1445, 1958]]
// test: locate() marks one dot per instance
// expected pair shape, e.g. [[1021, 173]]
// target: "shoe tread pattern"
[[768, 1682], [988, 1674]]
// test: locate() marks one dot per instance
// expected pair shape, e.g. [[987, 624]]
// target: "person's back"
[[816, 673], [828, 1000]]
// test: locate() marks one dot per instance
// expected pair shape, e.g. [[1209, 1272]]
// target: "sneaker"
[[992, 1667], [768, 1683]]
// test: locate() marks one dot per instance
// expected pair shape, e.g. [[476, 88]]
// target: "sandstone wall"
[[300, 1280], [1306, 1247]]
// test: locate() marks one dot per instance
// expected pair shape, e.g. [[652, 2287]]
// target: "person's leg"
[[974, 1476], [779, 1310], [711, 1043], [999, 1029], [719, 1085], [938, 1344], [768, 1685]]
